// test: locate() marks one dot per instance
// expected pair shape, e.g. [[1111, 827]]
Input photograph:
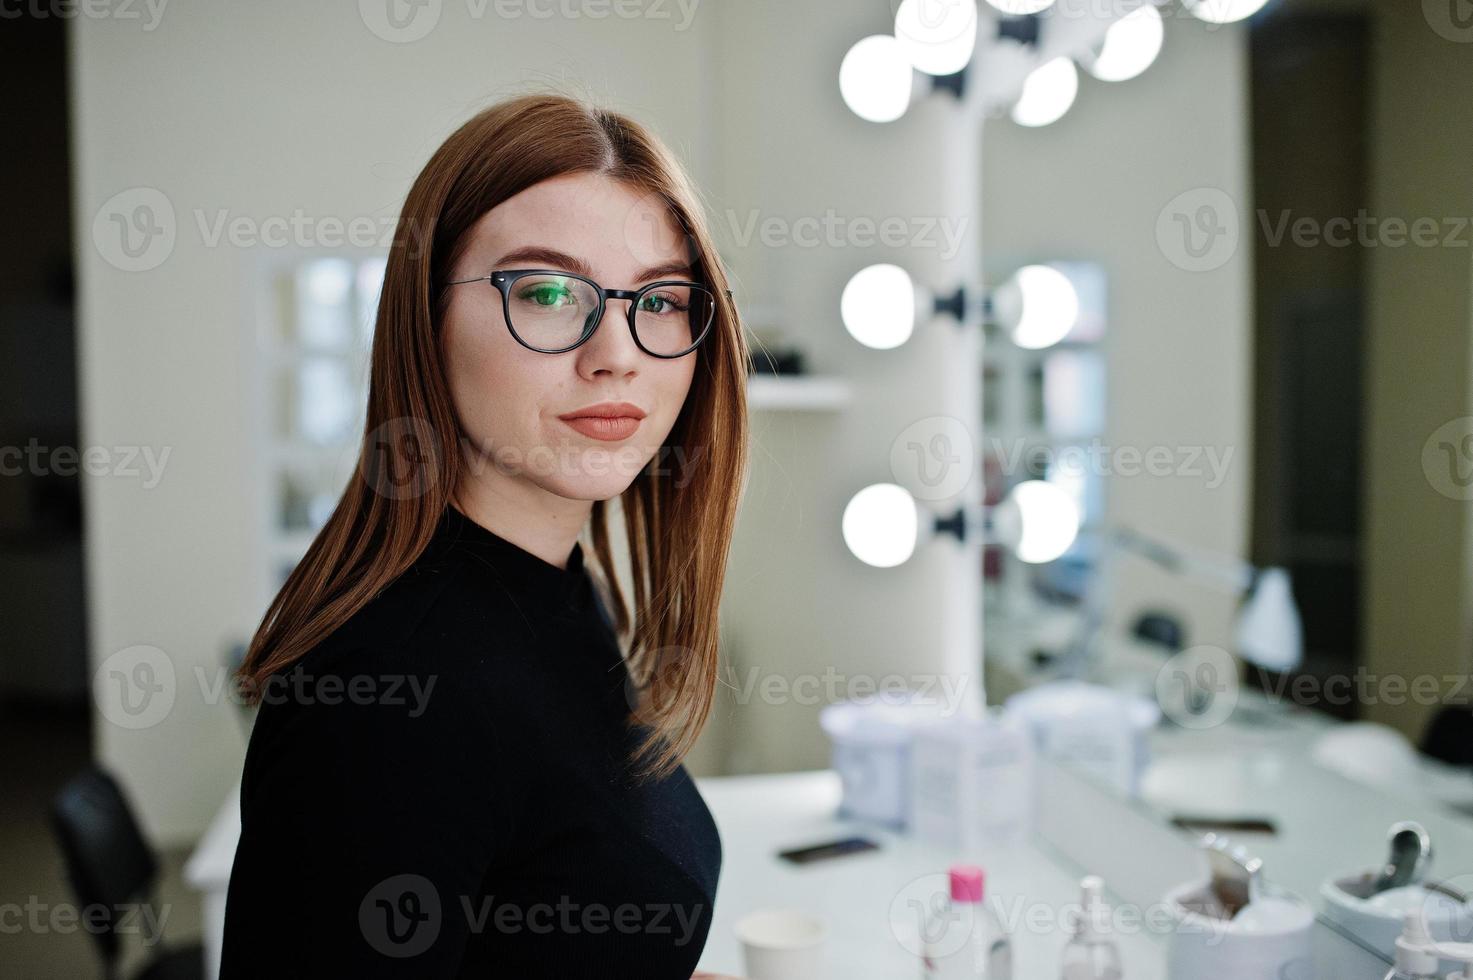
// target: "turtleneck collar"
[[517, 567]]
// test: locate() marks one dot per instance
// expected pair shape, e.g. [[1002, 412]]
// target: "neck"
[[536, 520]]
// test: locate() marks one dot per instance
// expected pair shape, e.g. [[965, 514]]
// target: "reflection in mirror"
[[1263, 629]]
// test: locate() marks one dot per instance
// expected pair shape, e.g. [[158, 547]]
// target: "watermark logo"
[[400, 916], [135, 229], [1198, 687], [934, 457], [659, 663], [135, 687], [1364, 230], [945, 692], [37, 459], [400, 21], [941, 233], [1208, 464], [401, 458], [149, 12], [1199, 229], [652, 233], [1451, 19], [1447, 459], [146, 921], [1444, 909], [924, 920], [404, 21], [935, 22]]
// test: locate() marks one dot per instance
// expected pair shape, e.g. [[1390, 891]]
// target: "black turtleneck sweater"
[[439, 789]]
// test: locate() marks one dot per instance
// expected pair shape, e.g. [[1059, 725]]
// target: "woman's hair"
[[678, 518]]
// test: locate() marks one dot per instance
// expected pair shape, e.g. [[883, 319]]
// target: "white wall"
[[265, 108], [1091, 187], [799, 603]]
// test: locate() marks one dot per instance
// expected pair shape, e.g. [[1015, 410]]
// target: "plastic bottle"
[[964, 939], [1090, 953], [1416, 958]]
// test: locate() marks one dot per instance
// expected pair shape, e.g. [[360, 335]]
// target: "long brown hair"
[[678, 520]]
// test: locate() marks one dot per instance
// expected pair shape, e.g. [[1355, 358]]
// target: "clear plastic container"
[[964, 939], [1090, 953]]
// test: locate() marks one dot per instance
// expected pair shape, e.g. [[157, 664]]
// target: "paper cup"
[[782, 944]]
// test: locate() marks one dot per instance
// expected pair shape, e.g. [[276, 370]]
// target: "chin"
[[596, 472], [602, 487]]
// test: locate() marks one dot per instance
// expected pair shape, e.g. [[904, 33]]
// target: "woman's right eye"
[[546, 295]]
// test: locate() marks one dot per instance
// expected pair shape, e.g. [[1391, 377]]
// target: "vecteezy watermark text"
[[833, 230], [1364, 230], [35, 459], [1098, 458]]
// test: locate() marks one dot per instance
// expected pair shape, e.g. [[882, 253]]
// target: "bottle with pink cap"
[[964, 939]]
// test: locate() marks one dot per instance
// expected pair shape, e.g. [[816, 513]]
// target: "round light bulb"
[[1048, 92], [878, 306], [1021, 7], [875, 78], [938, 38], [1223, 11], [1038, 305], [1131, 44], [881, 523], [1039, 520]]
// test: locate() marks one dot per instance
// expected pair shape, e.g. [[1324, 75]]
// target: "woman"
[[464, 764]]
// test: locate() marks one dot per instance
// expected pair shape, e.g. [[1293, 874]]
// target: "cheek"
[[674, 383], [492, 387]]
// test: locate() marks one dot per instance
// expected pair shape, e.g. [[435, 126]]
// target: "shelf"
[[796, 393]]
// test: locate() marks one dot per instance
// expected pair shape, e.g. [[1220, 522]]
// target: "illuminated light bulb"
[[881, 524], [1048, 92], [1223, 11], [1131, 45], [1038, 305], [1038, 520], [1021, 7], [878, 306], [937, 37], [875, 79]]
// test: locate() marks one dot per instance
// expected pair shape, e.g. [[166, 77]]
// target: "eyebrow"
[[571, 263]]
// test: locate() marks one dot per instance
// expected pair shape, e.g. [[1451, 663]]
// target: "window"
[[315, 332]]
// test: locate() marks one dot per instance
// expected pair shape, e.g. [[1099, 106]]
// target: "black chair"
[[112, 868]]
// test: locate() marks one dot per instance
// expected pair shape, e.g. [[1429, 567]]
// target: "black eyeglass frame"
[[504, 279]]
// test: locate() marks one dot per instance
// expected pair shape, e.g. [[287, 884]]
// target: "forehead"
[[613, 226]]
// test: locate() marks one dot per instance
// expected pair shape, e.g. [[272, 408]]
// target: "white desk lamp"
[[1267, 630]]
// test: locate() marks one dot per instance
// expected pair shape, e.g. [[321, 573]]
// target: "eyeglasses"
[[551, 311]]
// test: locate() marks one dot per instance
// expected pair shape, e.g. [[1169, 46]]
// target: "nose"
[[611, 349]]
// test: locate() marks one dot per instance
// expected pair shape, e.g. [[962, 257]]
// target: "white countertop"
[[1258, 764], [761, 815]]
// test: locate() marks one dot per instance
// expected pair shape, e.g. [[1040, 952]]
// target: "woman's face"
[[513, 401]]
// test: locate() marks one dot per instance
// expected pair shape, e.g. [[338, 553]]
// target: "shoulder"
[[414, 669], [398, 611], [441, 616]]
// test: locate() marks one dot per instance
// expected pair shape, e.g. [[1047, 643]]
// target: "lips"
[[606, 421]]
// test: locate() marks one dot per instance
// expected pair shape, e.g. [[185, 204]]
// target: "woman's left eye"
[[659, 304]]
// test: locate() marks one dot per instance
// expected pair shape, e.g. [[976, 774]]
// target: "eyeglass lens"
[[553, 312]]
